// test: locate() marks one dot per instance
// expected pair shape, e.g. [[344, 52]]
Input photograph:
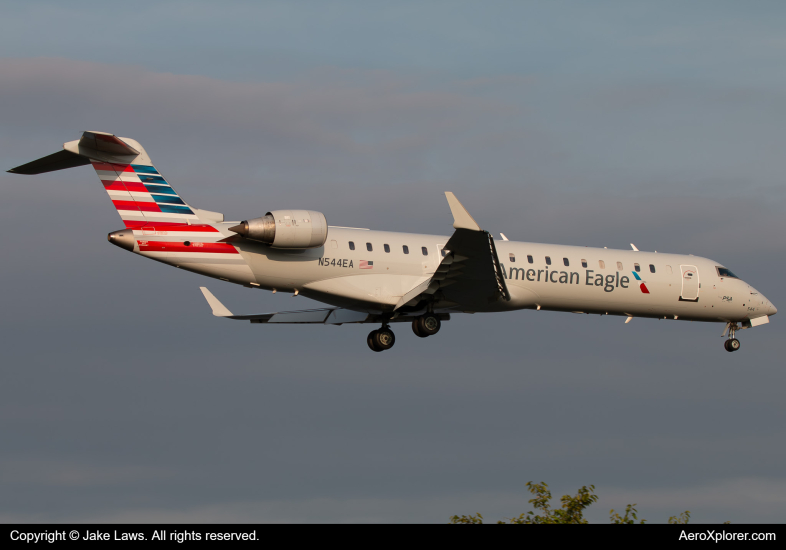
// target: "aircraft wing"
[[470, 272], [322, 316]]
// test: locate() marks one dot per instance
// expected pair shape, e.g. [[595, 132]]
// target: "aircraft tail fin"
[[141, 195]]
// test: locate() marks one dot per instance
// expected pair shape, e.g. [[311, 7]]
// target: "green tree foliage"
[[681, 519], [572, 510], [630, 516]]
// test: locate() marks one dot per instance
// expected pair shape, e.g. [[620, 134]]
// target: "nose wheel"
[[381, 339], [732, 344]]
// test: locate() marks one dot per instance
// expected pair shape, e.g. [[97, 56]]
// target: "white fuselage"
[[577, 279]]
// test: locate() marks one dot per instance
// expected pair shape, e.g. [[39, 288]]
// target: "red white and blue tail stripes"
[[141, 194], [165, 227]]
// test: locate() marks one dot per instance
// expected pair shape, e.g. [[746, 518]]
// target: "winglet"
[[219, 310], [461, 218]]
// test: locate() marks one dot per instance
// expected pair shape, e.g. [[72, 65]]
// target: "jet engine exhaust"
[[286, 229], [259, 229]]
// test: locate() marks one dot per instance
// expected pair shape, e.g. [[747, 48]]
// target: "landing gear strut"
[[732, 344], [426, 325], [381, 339]]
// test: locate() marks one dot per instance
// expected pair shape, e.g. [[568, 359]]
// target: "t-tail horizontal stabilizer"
[[99, 146]]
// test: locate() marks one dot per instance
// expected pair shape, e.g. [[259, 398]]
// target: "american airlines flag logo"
[[366, 265]]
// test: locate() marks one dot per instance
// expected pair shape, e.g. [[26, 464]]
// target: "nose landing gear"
[[732, 344]]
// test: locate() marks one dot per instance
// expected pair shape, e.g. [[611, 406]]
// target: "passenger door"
[[690, 283]]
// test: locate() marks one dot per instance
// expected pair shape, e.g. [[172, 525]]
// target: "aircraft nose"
[[773, 309]]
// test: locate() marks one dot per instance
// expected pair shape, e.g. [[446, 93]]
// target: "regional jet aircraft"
[[383, 278]]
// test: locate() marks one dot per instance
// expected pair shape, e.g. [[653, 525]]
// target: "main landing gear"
[[426, 325], [383, 338], [732, 344]]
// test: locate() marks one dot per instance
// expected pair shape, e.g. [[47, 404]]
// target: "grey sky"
[[123, 398]]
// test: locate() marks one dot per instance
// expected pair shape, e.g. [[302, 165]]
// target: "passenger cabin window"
[[530, 260], [602, 264], [424, 250], [512, 257], [652, 268], [369, 247], [668, 269], [351, 245], [548, 260], [619, 266], [444, 252], [406, 249], [566, 262], [387, 248], [723, 272], [637, 267], [583, 262]]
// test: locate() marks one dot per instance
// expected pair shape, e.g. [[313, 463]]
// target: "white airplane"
[[382, 277]]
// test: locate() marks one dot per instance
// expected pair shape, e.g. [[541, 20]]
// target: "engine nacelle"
[[286, 229]]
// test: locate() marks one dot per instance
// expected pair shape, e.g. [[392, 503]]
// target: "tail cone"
[[124, 238], [241, 229]]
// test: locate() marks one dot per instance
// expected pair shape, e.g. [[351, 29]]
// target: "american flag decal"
[[366, 264]]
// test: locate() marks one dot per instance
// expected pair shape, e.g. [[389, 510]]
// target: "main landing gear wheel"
[[370, 341], [381, 339], [426, 325]]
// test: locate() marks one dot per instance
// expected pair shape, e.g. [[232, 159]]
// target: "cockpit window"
[[723, 272]]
